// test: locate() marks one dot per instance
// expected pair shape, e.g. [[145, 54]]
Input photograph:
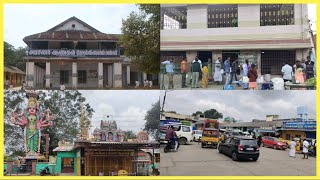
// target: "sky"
[[242, 105], [21, 20], [127, 108]]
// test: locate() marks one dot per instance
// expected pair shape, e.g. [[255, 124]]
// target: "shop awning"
[[266, 131]]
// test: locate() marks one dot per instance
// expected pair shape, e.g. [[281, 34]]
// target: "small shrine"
[[108, 132]]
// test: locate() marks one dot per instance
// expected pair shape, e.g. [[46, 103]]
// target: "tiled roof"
[[13, 69], [71, 35]]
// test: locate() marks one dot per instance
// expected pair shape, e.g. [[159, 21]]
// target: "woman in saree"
[[205, 76]]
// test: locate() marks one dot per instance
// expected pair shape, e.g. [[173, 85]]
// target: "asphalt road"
[[192, 160]]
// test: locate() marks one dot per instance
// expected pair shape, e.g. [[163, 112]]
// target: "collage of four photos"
[[160, 90]]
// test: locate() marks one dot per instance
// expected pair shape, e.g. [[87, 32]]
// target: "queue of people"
[[300, 72]]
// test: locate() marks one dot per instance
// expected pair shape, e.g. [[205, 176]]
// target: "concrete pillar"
[[299, 54], [128, 75], [100, 75], [259, 62], [74, 75], [191, 55], [144, 76], [30, 74], [110, 73], [216, 55], [48, 74], [117, 75]]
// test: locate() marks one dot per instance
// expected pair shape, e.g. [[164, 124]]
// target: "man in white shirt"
[[292, 152], [305, 149], [287, 72]]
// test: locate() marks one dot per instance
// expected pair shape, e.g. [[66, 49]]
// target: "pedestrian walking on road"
[[305, 149], [292, 152], [259, 141]]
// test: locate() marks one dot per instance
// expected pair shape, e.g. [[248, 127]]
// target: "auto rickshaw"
[[298, 141], [210, 137]]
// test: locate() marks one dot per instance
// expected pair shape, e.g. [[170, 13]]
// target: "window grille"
[[174, 17], [276, 14], [220, 16]]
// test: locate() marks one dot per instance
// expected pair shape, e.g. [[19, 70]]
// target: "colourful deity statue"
[[32, 120]]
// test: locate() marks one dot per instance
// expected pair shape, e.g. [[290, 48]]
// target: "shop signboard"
[[250, 56], [73, 53], [308, 125]]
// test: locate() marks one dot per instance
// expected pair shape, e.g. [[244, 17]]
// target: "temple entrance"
[[108, 165], [67, 165]]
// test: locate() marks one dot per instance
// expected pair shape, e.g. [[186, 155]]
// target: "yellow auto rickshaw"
[[297, 140], [210, 137]]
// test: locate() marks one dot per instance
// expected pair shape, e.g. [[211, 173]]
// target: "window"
[[185, 129], [81, 45], [174, 17], [276, 14], [64, 77], [272, 60], [82, 77], [66, 45], [39, 45], [220, 16], [108, 45]]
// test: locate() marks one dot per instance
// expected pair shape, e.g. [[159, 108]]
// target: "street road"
[[192, 160]]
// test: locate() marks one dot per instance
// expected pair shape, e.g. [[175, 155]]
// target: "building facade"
[[266, 34], [78, 56]]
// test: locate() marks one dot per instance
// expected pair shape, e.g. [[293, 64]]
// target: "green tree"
[[152, 124], [211, 113], [229, 120], [13, 56], [129, 135], [141, 38], [64, 105]]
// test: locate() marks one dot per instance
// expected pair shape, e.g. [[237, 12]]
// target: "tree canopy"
[[13, 56], [129, 135], [211, 113], [152, 124], [141, 38]]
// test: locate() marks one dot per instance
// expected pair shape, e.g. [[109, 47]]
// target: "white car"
[[183, 132], [197, 135]]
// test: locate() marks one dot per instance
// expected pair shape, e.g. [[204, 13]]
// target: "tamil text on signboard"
[[72, 53]]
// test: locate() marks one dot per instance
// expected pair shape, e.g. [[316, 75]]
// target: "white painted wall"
[[68, 26]]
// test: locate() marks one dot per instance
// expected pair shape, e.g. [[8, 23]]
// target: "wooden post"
[[95, 166]]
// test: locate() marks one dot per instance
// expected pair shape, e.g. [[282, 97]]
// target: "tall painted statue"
[[32, 120]]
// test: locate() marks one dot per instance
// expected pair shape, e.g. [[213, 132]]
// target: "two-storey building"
[[265, 34], [78, 56]]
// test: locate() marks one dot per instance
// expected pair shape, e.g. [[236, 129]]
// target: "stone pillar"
[[299, 54], [110, 73], [30, 74], [216, 55], [100, 75], [128, 75], [48, 74], [117, 75], [74, 75]]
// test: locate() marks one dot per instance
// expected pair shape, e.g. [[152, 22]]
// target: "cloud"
[[243, 105]]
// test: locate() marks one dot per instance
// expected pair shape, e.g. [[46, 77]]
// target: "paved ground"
[[192, 160]]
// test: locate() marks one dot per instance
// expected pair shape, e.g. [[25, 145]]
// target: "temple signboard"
[[73, 53]]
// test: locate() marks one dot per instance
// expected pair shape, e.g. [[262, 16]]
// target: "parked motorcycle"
[[5, 172], [170, 146], [312, 152], [45, 171]]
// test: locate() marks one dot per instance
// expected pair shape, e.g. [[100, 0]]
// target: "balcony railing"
[[73, 53]]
